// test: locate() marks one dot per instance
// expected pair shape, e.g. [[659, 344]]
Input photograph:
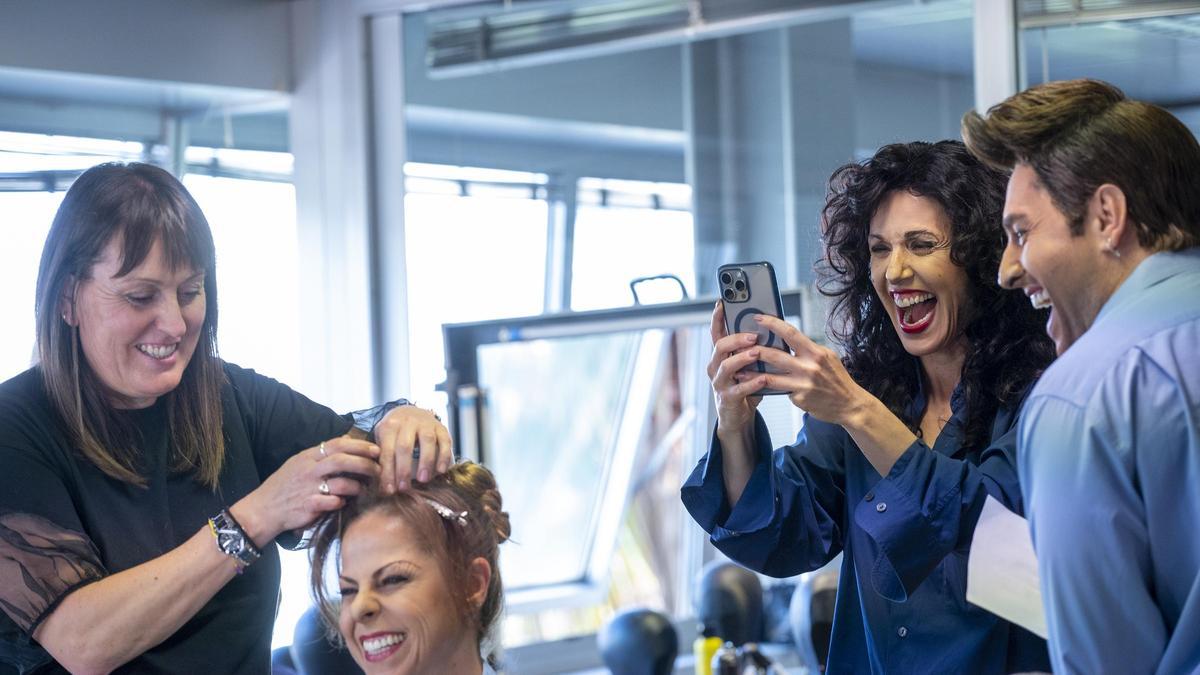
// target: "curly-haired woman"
[[904, 436], [418, 574]]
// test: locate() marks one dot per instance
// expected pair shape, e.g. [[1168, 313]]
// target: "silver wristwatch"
[[232, 539]]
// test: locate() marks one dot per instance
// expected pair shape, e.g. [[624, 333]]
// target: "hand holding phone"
[[749, 289]]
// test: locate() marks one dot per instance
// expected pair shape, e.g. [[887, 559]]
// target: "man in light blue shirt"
[[1102, 217]]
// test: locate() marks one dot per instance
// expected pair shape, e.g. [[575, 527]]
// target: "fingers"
[[729, 368], [794, 337], [427, 448], [347, 445], [716, 327], [726, 346], [445, 449], [403, 442], [340, 486], [346, 464]]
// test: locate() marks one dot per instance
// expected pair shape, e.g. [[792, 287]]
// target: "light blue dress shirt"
[[1109, 460]]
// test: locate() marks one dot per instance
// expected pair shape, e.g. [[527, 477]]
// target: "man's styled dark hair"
[[1007, 344], [1080, 134]]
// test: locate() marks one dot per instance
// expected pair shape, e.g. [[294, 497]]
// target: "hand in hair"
[[308, 484], [409, 435]]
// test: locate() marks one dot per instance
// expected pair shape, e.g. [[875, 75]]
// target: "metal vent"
[[475, 37], [1039, 13]]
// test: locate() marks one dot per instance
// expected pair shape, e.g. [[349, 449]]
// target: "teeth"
[[158, 351], [908, 300], [379, 644], [1040, 299]]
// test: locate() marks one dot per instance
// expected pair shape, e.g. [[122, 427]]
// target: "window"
[[35, 169], [253, 221], [476, 249], [625, 230]]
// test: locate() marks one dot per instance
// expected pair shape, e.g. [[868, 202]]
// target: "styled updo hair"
[[465, 487]]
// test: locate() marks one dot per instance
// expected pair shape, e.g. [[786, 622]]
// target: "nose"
[[170, 318], [897, 265], [1011, 273], [364, 606]]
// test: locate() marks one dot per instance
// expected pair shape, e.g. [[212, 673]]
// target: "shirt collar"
[[917, 405], [1150, 272]]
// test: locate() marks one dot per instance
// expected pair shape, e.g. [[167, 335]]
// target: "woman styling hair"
[[145, 480]]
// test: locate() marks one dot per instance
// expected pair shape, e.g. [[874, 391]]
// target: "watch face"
[[232, 540]]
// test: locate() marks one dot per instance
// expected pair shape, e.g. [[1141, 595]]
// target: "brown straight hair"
[[1080, 134], [137, 205]]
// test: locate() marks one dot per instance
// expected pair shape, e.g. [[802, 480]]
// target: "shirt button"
[[902, 631], [881, 507], [870, 496]]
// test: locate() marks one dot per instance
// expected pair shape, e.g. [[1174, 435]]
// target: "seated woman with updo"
[[418, 574]]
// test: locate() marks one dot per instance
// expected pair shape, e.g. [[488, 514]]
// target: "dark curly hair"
[[1008, 346]]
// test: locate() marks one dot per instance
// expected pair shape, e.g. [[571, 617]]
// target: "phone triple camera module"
[[733, 286]]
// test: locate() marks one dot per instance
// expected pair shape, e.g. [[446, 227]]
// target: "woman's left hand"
[[408, 435], [813, 376]]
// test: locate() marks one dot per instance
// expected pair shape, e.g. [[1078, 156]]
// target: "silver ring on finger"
[[323, 488], [321, 448]]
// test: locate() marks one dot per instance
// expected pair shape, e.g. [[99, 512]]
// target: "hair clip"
[[445, 512]]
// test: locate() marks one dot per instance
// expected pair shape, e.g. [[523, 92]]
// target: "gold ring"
[[321, 447]]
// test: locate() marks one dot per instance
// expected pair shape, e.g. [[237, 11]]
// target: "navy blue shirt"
[[901, 601]]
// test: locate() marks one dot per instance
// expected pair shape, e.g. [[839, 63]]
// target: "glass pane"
[[28, 204], [546, 438], [1154, 59], [23, 228], [622, 236], [254, 228], [469, 259]]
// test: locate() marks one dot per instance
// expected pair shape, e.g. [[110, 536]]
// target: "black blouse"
[[65, 524]]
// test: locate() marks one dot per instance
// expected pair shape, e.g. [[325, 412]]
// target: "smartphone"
[[748, 289]]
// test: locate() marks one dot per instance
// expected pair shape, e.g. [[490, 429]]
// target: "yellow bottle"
[[703, 649]]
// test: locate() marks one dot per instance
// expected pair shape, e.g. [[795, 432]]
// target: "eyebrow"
[[1011, 219], [147, 280], [380, 570], [908, 234]]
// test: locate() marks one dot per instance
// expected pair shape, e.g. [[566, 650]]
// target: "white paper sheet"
[[1002, 574]]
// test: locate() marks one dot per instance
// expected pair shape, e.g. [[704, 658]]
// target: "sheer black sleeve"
[[40, 563]]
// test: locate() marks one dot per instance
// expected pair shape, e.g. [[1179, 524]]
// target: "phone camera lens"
[[728, 294], [740, 285], [726, 278]]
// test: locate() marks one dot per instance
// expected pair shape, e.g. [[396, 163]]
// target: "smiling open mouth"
[[158, 351], [914, 310], [379, 647]]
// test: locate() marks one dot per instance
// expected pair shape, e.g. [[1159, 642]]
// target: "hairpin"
[[446, 513]]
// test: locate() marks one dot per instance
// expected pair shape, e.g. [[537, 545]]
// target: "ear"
[[479, 577], [1109, 215], [66, 302]]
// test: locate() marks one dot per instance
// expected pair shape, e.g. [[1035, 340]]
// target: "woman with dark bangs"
[[145, 480], [904, 436]]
